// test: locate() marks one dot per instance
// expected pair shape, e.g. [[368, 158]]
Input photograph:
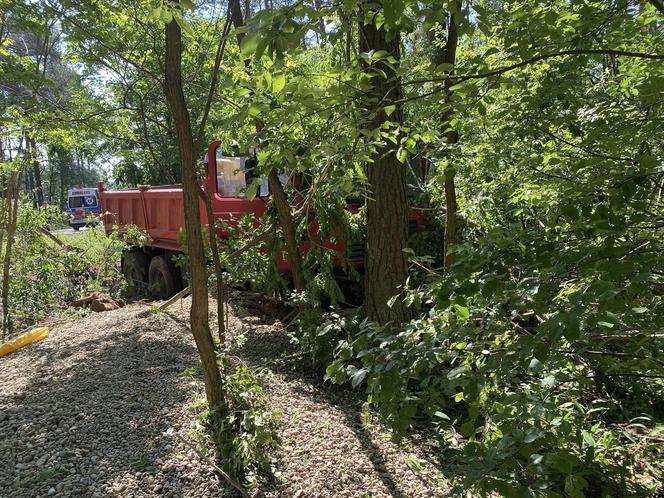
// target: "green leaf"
[[184, 24], [358, 377], [252, 189], [389, 109], [563, 462], [467, 429], [278, 82], [392, 10], [574, 486], [462, 312], [379, 54], [535, 365], [457, 372], [254, 109], [402, 155], [532, 435], [588, 438], [249, 44]]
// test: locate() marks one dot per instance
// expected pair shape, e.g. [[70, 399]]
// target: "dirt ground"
[[86, 413]]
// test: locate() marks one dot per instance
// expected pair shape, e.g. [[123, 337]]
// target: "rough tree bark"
[[218, 268], [51, 182], [28, 180], [452, 136], [12, 217], [212, 232], [36, 171], [64, 176], [4, 205], [288, 227], [199, 306], [386, 264]]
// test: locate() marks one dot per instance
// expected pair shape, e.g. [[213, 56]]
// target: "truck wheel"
[[162, 276], [134, 269]]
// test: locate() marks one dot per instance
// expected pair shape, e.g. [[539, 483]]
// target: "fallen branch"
[[183, 293], [55, 239], [218, 469]]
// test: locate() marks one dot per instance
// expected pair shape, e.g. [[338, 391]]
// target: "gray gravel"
[[328, 449], [84, 413]]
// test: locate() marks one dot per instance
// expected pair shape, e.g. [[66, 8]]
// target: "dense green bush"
[[515, 422], [537, 373]]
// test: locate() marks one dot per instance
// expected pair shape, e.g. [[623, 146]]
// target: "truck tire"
[[162, 277], [134, 269]]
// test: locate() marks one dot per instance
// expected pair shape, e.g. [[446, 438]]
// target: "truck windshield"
[[235, 174], [231, 179], [81, 201]]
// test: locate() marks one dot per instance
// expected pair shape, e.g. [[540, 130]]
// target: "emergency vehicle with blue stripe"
[[83, 207]]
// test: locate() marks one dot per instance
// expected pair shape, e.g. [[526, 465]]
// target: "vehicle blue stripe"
[[86, 209]]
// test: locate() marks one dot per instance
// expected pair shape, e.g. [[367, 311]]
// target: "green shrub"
[[45, 278], [247, 435]]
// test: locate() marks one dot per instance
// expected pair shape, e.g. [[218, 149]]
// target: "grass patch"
[[56, 472], [143, 464]]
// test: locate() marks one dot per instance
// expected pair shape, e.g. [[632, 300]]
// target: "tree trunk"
[[4, 196], [51, 179], [29, 180], [199, 306], [218, 270], [386, 264], [39, 188], [12, 218], [288, 227], [5, 208], [64, 174], [321, 23], [349, 43], [448, 56]]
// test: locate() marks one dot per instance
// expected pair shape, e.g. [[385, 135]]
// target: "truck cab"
[[83, 207]]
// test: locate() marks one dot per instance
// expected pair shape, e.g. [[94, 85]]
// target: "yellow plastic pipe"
[[34, 335]]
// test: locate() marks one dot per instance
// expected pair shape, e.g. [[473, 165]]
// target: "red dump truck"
[[158, 211]]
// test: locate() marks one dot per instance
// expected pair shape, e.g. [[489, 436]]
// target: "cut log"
[[98, 302]]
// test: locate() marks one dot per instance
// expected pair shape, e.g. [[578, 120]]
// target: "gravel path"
[[84, 413], [327, 450]]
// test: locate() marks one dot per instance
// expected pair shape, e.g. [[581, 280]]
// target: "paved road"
[[68, 231]]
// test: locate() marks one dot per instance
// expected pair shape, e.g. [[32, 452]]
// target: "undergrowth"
[[45, 278], [245, 436], [520, 408]]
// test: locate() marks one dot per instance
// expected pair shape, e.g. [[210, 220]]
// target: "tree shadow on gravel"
[[267, 345], [96, 410]]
